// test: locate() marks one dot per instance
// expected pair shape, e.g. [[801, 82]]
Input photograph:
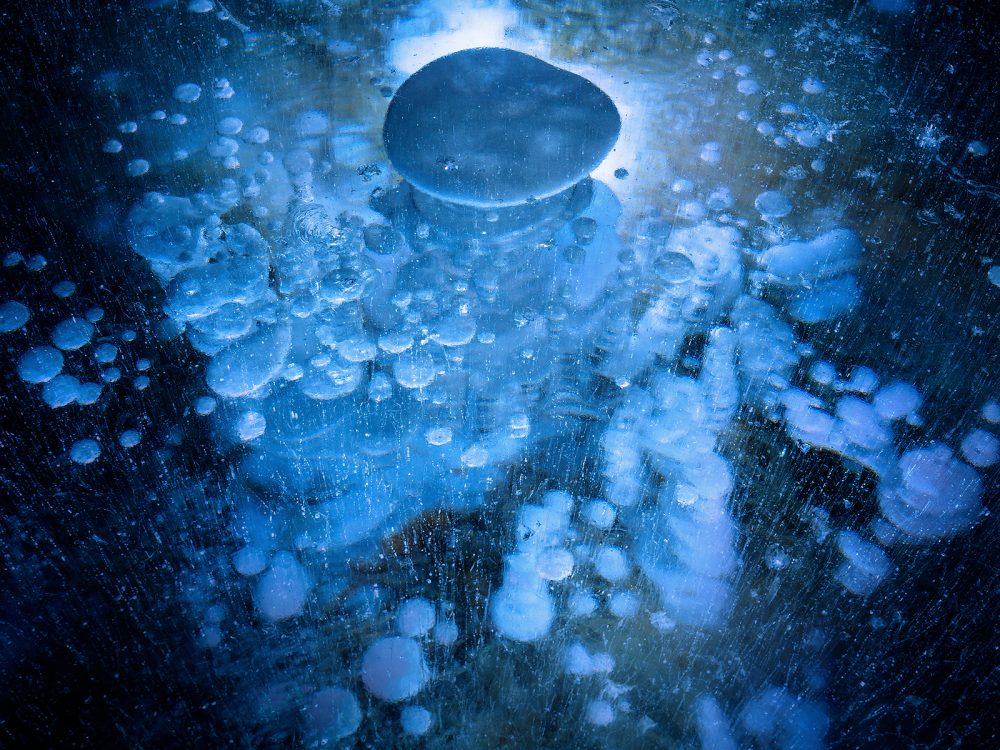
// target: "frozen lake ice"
[[500, 373]]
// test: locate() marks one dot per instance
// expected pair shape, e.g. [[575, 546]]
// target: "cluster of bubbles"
[[374, 366], [57, 364]]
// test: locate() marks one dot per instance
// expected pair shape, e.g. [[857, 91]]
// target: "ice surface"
[[500, 428]]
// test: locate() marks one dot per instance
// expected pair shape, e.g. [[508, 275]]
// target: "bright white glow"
[[439, 27]]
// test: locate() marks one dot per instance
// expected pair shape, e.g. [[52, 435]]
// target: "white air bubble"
[[13, 316], [129, 439], [250, 426], [415, 720], [85, 451], [187, 93]]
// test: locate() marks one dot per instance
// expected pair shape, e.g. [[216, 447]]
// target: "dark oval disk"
[[492, 127]]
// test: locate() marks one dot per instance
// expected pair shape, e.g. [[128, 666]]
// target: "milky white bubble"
[[88, 393], [229, 126], [64, 289], [85, 451], [250, 426], [13, 316], [39, 365], [415, 720], [812, 85], [72, 333], [36, 263], [187, 92], [977, 148], [257, 134], [129, 439], [137, 167], [205, 405]]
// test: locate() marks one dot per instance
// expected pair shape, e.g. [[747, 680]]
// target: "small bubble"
[[187, 93], [438, 435], [137, 168], [85, 451], [813, 85], [129, 439], [475, 456]]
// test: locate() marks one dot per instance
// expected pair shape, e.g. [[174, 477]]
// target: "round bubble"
[[229, 126], [600, 713], [40, 365], [611, 563], [88, 393], [72, 333], [205, 405], [773, 204], [312, 123], [62, 390], [415, 617], [415, 720], [13, 316], [64, 289], [281, 592], [250, 426], [105, 353], [331, 714], [600, 514], [129, 439], [554, 564], [981, 448], [813, 85], [393, 668], [187, 92], [85, 451], [258, 135], [415, 370], [623, 604], [137, 168]]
